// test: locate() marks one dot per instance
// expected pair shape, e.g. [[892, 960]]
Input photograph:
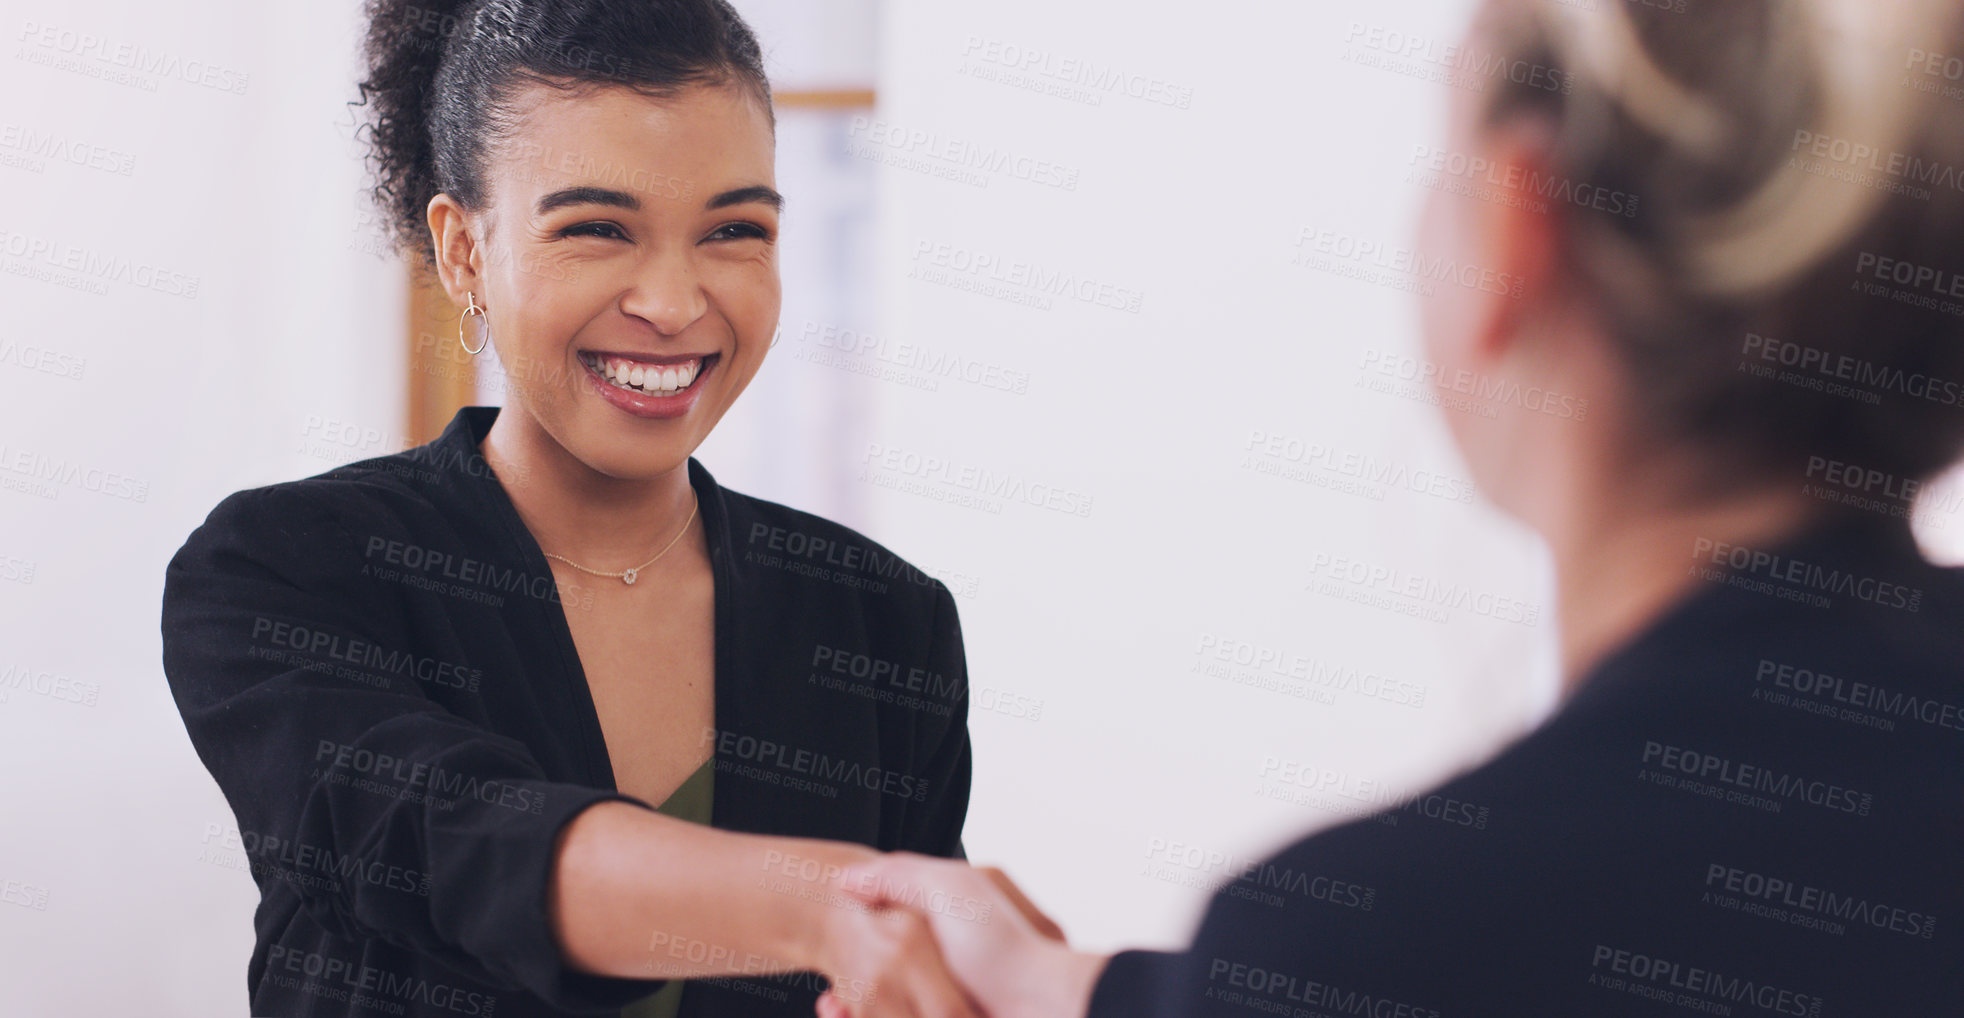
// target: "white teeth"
[[648, 378]]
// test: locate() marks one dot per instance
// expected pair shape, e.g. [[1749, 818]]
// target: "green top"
[[690, 801]]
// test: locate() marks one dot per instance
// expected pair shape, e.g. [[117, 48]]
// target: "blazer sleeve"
[[356, 773], [934, 825], [1255, 951], [1140, 983]]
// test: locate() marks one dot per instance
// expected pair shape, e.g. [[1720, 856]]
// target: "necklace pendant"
[[628, 577]]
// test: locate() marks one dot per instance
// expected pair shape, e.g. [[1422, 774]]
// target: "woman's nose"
[[667, 294]]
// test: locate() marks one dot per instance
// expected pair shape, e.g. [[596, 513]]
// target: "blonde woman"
[[1751, 801]]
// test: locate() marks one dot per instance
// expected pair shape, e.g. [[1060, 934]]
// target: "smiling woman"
[[604, 297], [654, 385], [645, 781]]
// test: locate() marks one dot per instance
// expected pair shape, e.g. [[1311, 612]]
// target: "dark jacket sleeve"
[[1138, 983], [934, 825], [359, 773]]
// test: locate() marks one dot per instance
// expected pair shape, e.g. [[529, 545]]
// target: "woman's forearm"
[[641, 895]]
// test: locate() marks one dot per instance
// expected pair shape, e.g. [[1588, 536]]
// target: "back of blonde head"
[[1789, 158]]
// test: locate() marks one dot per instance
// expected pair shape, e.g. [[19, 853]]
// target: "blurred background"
[[1097, 311]]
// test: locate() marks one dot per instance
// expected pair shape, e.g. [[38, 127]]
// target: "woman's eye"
[[740, 231], [593, 230]]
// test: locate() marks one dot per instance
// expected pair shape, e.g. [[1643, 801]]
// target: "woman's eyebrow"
[[589, 195], [745, 195], [585, 196]]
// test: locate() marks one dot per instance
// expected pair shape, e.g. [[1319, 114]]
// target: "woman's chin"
[[626, 462]]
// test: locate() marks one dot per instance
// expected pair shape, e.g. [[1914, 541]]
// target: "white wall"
[[1251, 127], [1193, 159], [195, 259]]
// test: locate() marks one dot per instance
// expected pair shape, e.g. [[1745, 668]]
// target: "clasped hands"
[[918, 935]]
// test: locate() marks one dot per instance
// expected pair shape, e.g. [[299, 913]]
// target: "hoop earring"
[[473, 311]]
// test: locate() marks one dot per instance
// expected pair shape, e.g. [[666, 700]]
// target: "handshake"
[[915, 935]]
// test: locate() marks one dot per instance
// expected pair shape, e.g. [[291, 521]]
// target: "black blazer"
[[1754, 809], [375, 665]]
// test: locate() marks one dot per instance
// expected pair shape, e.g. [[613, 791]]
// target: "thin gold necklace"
[[628, 576]]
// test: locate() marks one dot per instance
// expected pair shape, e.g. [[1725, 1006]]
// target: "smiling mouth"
[[646, 378]]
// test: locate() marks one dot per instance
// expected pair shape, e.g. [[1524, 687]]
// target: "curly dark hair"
[[441, 72]]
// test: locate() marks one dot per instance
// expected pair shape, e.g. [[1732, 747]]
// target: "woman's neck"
[[1623, 555], [573, 510]]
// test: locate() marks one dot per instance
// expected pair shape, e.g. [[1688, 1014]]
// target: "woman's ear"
[[458, 254], [1520, 236]]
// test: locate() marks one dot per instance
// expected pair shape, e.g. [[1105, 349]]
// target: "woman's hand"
[[1041, 923], [887, 962], [642, 895], [1011, 958]]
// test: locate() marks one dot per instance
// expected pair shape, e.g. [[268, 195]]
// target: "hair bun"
[[1740, 239], [439, 74]]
